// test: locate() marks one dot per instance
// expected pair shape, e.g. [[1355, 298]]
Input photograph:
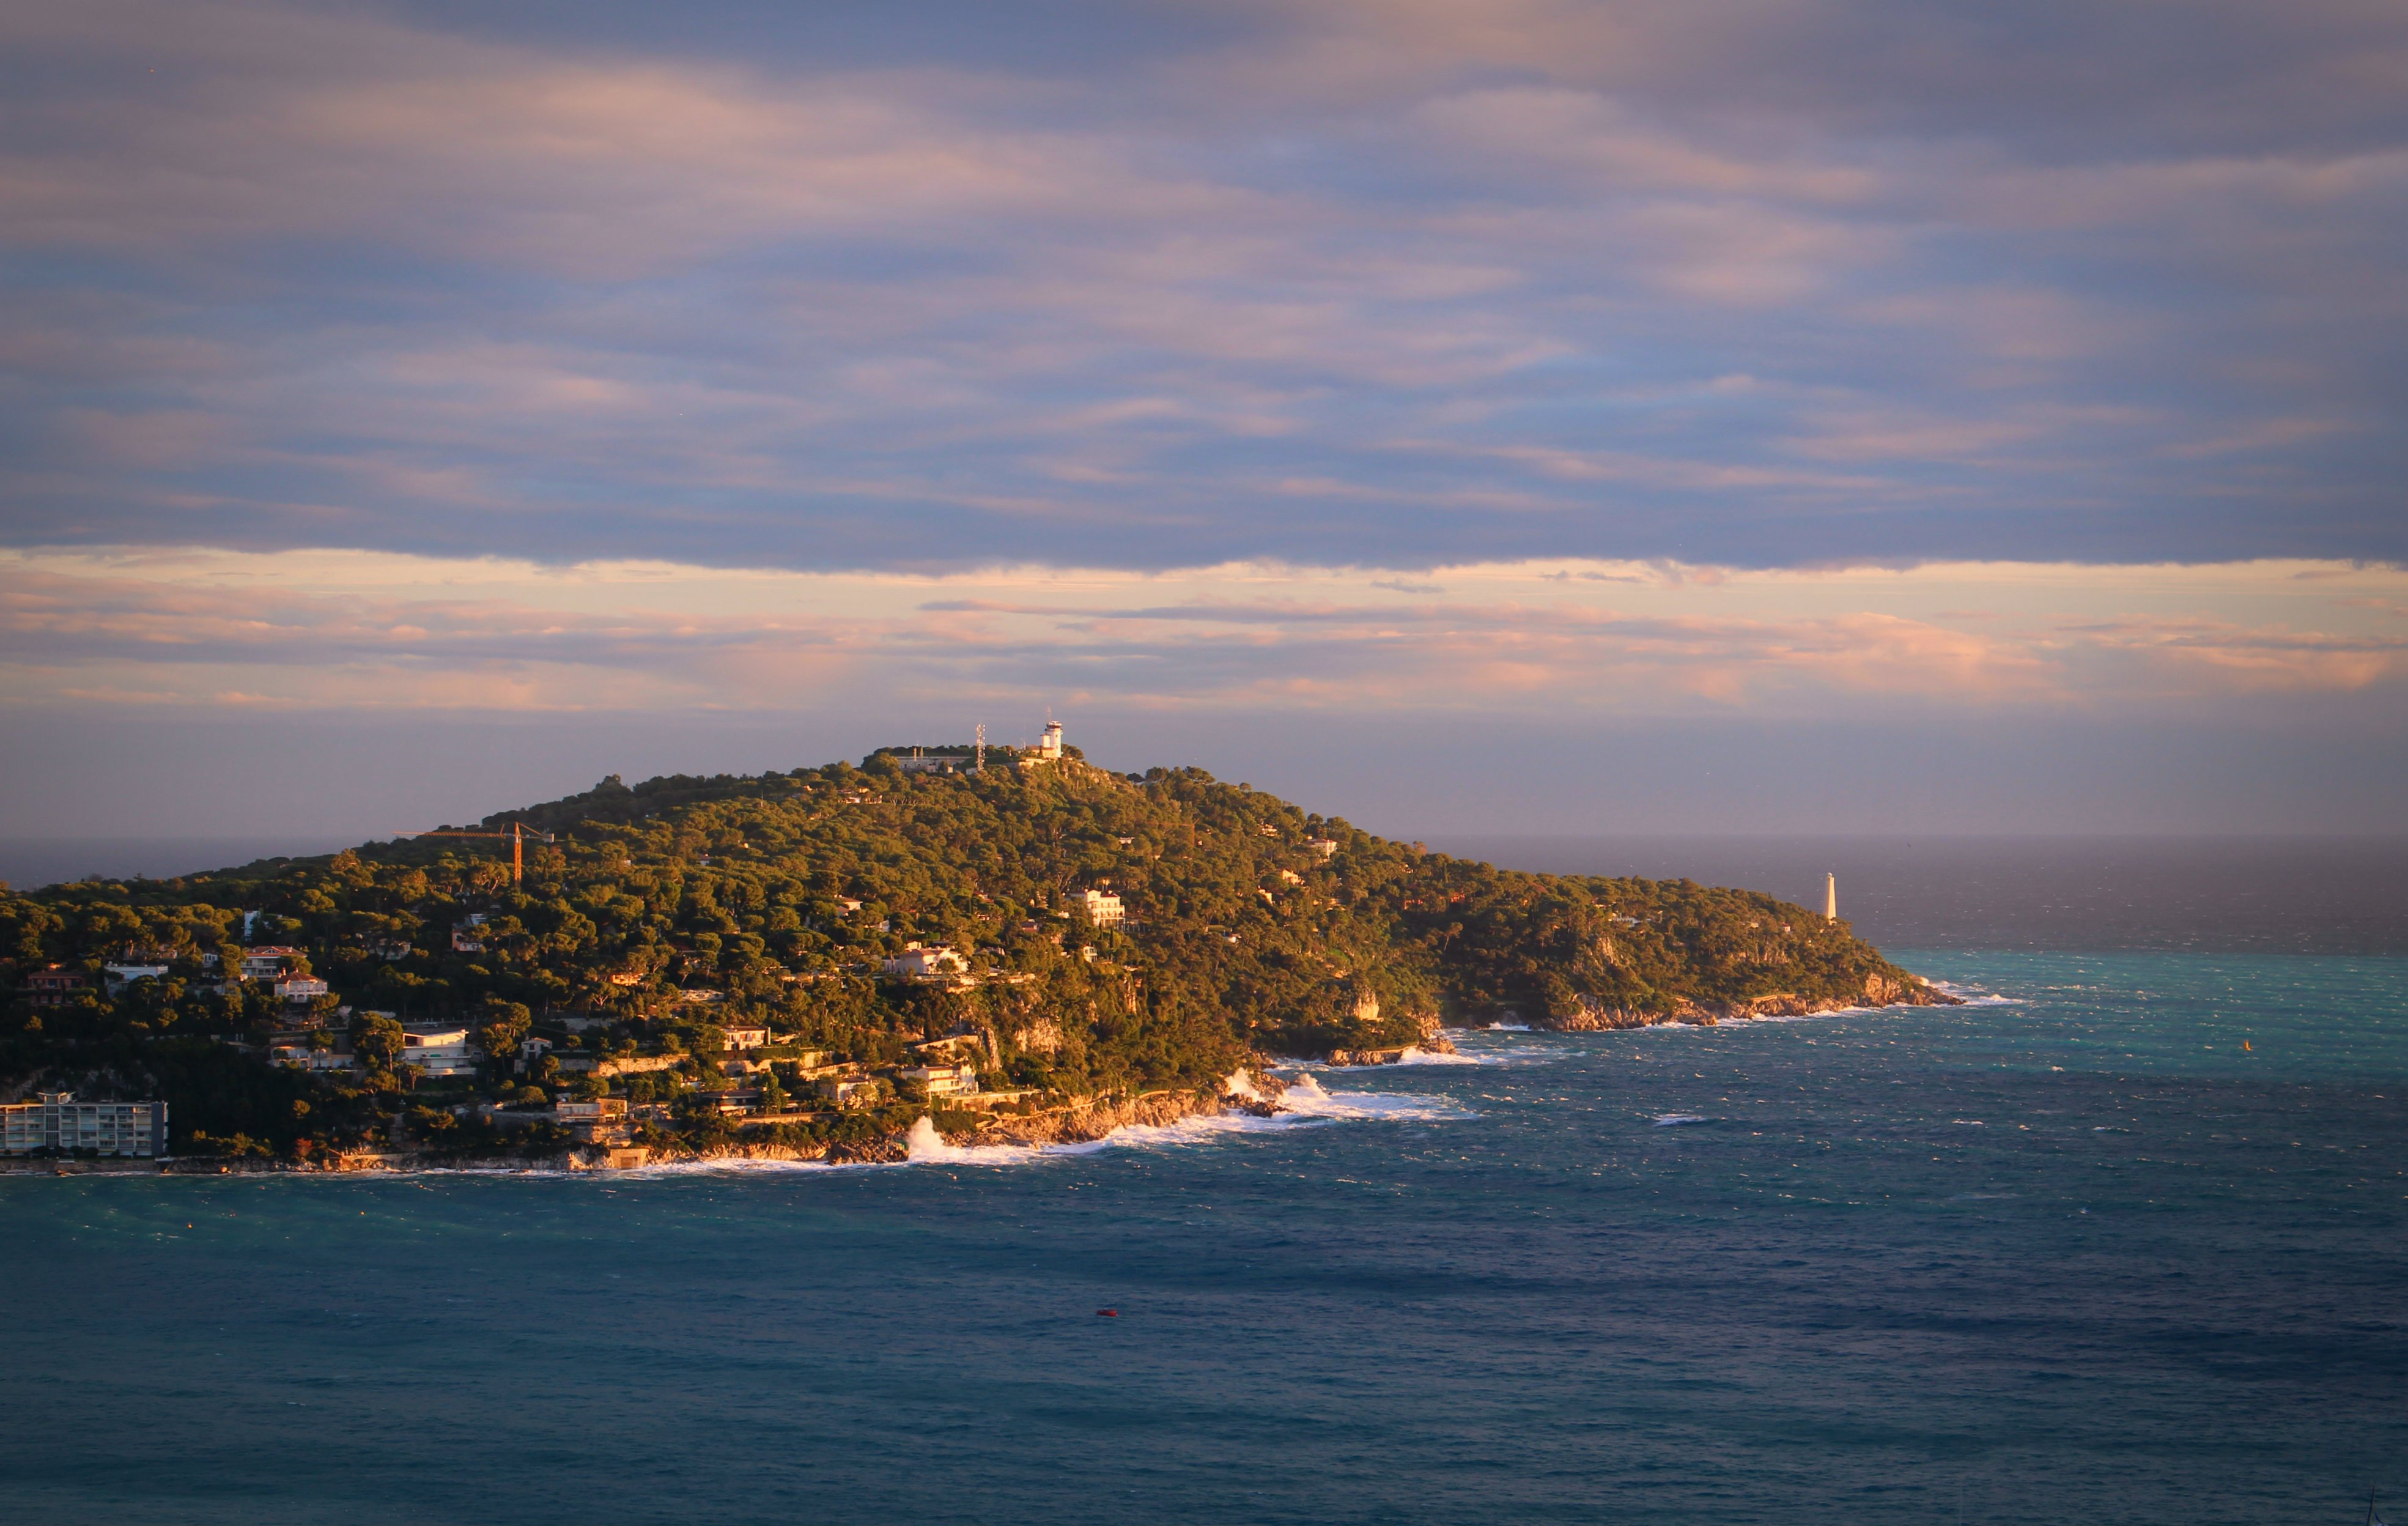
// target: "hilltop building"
[[930, 759]]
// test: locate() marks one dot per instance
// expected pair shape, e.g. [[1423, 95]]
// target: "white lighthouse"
[[1830, 898], [1050, 749]]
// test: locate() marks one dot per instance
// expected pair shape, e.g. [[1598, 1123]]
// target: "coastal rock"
[[874, 1151], [1592, 1016], [1393, 1055], [1097, 1118]]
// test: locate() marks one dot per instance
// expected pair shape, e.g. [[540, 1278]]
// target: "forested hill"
[[1254, 928]]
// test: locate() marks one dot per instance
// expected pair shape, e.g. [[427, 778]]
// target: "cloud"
[[348, 632], [1321, 284]]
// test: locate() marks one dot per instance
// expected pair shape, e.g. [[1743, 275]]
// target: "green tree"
[[504, 1029], [377, 1040]]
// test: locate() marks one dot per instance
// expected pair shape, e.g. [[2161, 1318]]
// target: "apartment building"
[[59, 1123]]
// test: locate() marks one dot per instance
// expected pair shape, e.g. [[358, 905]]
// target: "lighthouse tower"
[[1830, 898], [1048, 749]]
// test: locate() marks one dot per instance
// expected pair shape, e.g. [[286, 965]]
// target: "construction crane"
[[517, 834]]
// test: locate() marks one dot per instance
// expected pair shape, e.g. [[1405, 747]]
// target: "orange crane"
[[517, 834]]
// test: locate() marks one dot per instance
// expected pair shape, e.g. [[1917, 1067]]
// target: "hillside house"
[[437, 1050], [930, 962], [54, 985], [266, 962], [849, 1090], [116, 977], [944, 1080], [294, 1052]]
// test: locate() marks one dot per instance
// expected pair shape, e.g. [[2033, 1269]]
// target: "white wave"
[[1729, 1024], [1972, 997], [1481, 1050], [1508, 1028], [1308, 1099], [728, 1166], [1675, 1120], [1416, 1054]]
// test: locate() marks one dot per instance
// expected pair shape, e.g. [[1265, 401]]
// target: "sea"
[[2122, 1239]]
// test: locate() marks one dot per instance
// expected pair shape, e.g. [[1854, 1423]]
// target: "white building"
[[59, 1122], [1048, 747], [266, 962], [119, 976], [944, 1080], [1326, 847], [300, 987], [1102, 908], [918, 963], [439, 1051], [849, 1090]]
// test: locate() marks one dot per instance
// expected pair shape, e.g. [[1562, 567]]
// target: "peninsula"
[[1009, 946]]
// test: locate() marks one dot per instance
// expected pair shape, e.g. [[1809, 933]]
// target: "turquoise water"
[[2069, 1255]]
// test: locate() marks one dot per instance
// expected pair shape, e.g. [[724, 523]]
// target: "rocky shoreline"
[[1595, 1017], [1081, 1122]]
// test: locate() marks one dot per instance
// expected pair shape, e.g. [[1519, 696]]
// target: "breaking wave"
[[1675, 1120], [1973, 998]]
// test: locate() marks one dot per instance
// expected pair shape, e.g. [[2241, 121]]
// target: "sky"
[[1749, 415]]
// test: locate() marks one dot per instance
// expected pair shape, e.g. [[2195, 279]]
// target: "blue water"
[[2074, 1255]]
